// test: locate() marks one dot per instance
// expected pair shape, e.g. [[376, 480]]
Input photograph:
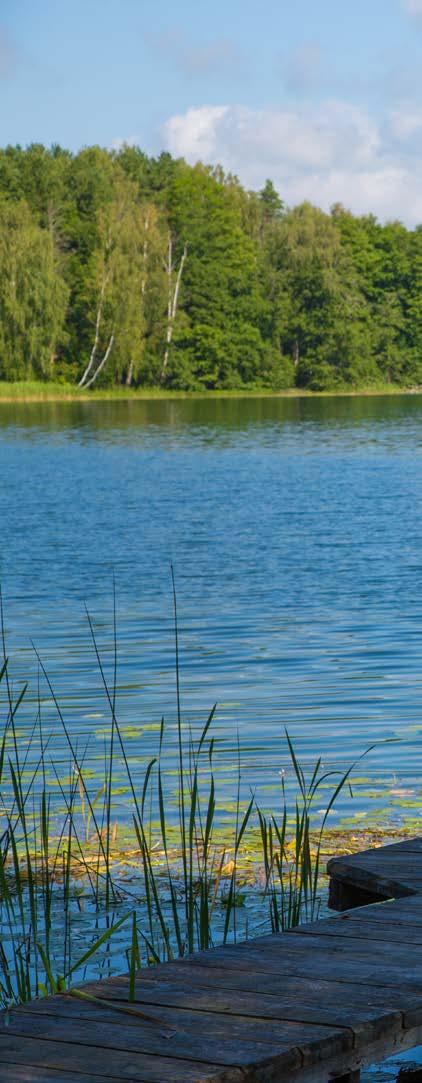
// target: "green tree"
[[326, 316], [384, 257], [271, 204], [218, 340], [119, 276], [33, 296], [173, 275]]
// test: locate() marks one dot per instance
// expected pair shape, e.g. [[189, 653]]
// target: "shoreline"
[[39, 392], [250, 868]]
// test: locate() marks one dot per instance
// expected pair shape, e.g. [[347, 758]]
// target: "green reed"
[[292, 852], [187, 898]]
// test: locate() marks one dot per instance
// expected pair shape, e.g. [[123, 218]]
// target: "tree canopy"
[[118, 268]]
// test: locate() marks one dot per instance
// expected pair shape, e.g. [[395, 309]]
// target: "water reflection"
[[216, 419]]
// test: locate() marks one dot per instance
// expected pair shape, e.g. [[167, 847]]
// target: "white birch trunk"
[[173, 301], [104, 284], [169, 305], [103, 362]]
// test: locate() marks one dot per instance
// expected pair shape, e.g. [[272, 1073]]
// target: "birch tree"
[[109, 267], [139, 288], [144, 276], [94, 366], [174, 278]]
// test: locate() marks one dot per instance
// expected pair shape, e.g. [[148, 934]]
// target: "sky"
[[322, 96]]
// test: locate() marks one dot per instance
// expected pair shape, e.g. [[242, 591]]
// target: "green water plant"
[[292, 846], [64, 905]]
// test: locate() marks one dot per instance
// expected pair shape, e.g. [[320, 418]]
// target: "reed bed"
[[66, 913]]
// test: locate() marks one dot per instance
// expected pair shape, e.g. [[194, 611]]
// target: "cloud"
[[194, 134], [413, 7], [194, 58], [335, 152], [406, 125]]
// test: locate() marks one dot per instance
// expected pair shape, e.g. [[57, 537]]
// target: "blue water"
[[295, 531]]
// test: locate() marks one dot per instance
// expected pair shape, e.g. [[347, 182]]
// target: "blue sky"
[[324, 96]]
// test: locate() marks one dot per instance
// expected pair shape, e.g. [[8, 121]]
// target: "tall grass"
[[27, 391], [186, 896], [292, 857]]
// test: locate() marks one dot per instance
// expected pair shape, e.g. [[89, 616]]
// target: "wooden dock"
[[311, 1005]]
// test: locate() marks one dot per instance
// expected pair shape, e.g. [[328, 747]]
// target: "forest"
[[121, 269]]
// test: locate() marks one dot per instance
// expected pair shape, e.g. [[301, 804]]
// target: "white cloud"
[[193, 135], [292, 137], [335, 152], [406, 123], [413, 7]]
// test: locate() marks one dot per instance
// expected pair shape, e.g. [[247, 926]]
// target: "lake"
[[295, 530]]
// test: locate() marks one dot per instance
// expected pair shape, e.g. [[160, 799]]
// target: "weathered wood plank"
[[326, 968], [206, 1040], [401, 869], [389, 870], [272, 951], [405, 911], [322, 1000], [302, 940], [21, 1073], [375, 884], [367, 1023], [407, 846], [341, 963], [386, 856], [358, 928], [112, 1064], [327, 1070], [308, 990]]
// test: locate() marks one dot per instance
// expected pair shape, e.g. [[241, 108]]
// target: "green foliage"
[[220, 335], [33, 295], [58, 849], [271, 202], [120, 269]]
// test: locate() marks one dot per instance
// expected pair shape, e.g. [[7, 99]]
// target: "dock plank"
[[110, 1064], [183, 1034], [392, 933], [316, 1001], [197, 1008], [20, 1073], [367, 1010]]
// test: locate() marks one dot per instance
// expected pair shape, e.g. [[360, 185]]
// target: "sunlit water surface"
[[294, 528]]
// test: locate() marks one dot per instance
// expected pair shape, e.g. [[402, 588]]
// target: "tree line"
[[118, 268]]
